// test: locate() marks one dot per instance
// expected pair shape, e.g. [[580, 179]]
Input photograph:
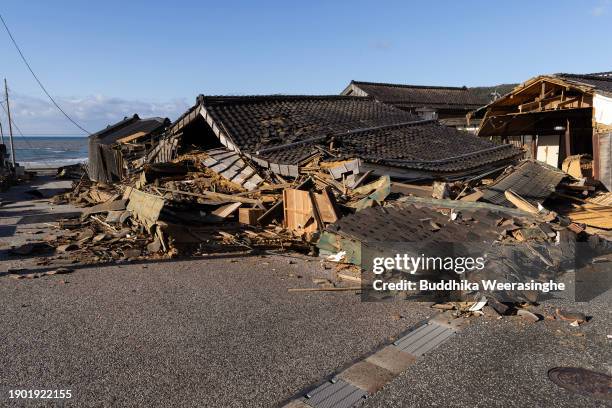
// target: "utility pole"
[[8, 111], [1, 134]]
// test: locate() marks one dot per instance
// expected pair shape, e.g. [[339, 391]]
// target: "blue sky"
[[104, 60]]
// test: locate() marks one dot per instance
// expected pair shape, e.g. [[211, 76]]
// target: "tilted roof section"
[[601, 81], [260, 122], [285, 130], [420, 95], [128, 126]]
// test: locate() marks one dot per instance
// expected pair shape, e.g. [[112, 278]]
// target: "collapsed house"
[[112, 149], [329, 175], [556, 117], [287, 135], [447, 104]]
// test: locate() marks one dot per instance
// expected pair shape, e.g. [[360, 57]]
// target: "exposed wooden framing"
[[221, 135], [569, 102]]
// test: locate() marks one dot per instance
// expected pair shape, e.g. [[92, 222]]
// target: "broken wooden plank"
[[347, 277], [324, 289], [226, 210], [271, 187], [249, 216], [520, 203], [327, 206], [411, 189], [277, 210], [475, 196], [116, 205], [298, 211], [219, 196]]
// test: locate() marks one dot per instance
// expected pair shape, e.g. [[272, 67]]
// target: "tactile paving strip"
[[338, 394], [341, 394], [424, 339]]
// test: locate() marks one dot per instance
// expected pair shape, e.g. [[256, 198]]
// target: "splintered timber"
[[464, 285]]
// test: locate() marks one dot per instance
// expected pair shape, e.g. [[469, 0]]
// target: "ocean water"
[[48, 151]]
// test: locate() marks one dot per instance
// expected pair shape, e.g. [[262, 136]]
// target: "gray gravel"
[[217, 332], [504, 363], [221, 332], [224, 332]]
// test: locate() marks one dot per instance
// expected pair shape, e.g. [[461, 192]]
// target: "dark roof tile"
[[424, 96], [532, 180], [128, 126], [601, 81], [288, 129]]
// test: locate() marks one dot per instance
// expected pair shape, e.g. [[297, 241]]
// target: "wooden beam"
[[219, 196], [568, 140], [520, 202], [324, 289]]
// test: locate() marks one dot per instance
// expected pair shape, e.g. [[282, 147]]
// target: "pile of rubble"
[[332, 176], [184, 207]]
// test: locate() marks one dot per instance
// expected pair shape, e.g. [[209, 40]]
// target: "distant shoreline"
[[38, 152]]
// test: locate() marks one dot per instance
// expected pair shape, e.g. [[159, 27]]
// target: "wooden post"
[[8, 111], [568, 146]]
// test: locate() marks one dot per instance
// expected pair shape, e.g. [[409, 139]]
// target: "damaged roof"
[[280, 132], [532, 180], [408, 223], [601, 81], [415, 96], [129, 126]]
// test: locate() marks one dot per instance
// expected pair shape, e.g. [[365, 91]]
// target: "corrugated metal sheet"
[[231, 166], [339, 394], [424, 339]]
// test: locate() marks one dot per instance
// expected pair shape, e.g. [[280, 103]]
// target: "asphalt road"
[[504, 363], [217, 333], [225, 332]]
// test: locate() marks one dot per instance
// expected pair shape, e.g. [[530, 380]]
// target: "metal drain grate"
[[338, 394], [424, 339]]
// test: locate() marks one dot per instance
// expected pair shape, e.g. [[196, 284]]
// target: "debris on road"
[[575, 317], [320, 175]]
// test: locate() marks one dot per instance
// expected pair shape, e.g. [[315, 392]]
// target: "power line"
[[38, 80]]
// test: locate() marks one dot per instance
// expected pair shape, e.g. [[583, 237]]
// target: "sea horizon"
[[48, 151]]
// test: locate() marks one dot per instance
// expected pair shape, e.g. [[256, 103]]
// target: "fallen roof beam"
[[461, 205], [215, 196]]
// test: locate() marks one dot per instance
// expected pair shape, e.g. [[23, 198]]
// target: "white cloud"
[[37, 116]]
